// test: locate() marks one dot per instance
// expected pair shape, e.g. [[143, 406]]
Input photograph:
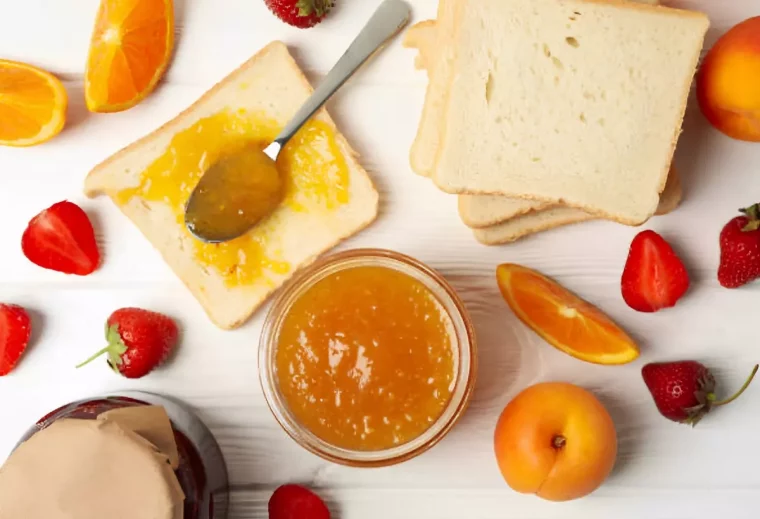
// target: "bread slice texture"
[[595, 113], [431, 38], [272, 84], [495, 209], [480, 211], [548, 218]]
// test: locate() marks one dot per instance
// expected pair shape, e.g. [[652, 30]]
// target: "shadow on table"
[[499, 353], [630, 436]]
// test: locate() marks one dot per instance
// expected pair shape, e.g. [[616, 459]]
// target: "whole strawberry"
[[296, 502], [684, 391], [61, 238], [138, 341], [740, 249], [15, 330], [654, 276], [300, 13]]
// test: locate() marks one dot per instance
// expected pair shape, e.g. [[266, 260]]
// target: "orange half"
[[130, 49], [32, 104], [562, 319]]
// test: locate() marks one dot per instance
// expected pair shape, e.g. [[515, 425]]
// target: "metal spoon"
[[226, 204]]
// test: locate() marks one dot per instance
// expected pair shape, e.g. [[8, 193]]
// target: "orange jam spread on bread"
[[315, 172], [365, 358]]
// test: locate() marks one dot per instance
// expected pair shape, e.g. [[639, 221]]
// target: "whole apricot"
[[728, 82], [555, 440]]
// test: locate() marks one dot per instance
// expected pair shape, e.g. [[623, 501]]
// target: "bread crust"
[[465, 202], [525, 225], [531, 222], [670, 199], [415, 36]]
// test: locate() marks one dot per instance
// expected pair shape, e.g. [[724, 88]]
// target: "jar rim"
[[463, 341]]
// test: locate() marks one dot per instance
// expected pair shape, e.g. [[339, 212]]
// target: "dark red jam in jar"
[[202, 472]]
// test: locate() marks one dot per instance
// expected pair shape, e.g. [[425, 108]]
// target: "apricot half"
[[555, 440], [728, 82]]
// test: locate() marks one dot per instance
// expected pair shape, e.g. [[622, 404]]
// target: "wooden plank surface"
[[664, 471]]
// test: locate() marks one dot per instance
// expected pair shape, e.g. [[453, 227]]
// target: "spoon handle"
[[388, 20]]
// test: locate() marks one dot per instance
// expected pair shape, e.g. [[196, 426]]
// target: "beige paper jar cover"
[[119, 466]]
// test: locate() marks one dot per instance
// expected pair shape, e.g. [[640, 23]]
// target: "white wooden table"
[[664, 470]]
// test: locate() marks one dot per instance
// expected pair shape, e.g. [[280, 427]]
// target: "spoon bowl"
[[235, 194]]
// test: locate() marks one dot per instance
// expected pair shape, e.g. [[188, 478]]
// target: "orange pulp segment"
[[32, 104], [129, 52], [562, 319]]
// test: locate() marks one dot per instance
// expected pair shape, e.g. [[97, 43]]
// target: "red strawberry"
[[654, 277], [740, 249], [300, 13], [15, 330], [685, 391], [61, 238], [138, 341], [296, 502]]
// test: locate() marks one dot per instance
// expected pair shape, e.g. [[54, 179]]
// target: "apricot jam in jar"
[[367, 358]]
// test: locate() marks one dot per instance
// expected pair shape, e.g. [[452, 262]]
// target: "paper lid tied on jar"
[[120, 465]]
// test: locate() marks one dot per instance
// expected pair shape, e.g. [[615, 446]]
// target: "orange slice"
[[562, 319], [32, 104], [130, 49]]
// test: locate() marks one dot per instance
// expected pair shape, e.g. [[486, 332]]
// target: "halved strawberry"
[[15, 330], [62, 238], [654, 276]]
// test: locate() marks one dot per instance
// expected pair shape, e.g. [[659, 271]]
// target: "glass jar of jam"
[[367, 358], [202, 472]]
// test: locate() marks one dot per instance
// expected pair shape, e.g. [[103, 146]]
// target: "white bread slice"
[[435, 56], [480, 211], [270, 83], [595, 115], [548, 218], [530, 223], [486, 210], [436, 59], [432, 53]]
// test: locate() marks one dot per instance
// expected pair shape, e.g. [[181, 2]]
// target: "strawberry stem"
[[741, 390], [309, 7], [98, 354], [115, 349], [753, 218]]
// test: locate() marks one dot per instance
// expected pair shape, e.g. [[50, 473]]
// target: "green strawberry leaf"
[[318, 7]]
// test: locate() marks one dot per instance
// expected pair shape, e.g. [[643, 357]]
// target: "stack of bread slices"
[[541, 113]]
